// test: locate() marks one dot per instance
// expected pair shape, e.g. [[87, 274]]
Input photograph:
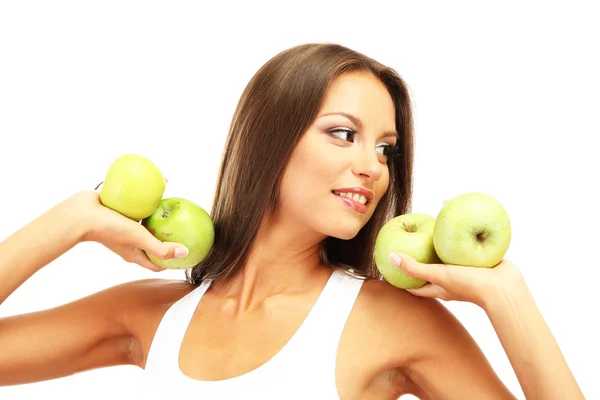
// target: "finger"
[[429, 290], [434, 273], [166, 250], [163, 250], [140, 258]]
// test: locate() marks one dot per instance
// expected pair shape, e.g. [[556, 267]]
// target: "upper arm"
[[451, 364], [436, 355], [88, 333]]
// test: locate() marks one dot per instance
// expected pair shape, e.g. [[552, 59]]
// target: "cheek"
[[382, 186], [312, 166], [305, 179], [385, 180]]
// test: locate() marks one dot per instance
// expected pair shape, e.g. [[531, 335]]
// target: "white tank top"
[[303, 369]]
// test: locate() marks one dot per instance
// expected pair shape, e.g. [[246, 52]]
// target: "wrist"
[[81, 215], [506, 296]]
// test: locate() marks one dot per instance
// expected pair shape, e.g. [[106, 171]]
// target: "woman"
[[289, 303]]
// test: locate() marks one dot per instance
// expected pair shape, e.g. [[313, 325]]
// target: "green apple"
[[182, 221], [133, 186], [472, 229], [410, 234]]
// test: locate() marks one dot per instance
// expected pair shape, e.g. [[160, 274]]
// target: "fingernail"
[[181, 252], [395, 258]]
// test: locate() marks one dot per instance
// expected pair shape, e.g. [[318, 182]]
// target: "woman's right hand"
[[123, 236]]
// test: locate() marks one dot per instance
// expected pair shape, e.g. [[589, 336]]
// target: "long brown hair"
[[277, 106]]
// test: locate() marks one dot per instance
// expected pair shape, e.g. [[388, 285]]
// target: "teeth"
[[354, 196]]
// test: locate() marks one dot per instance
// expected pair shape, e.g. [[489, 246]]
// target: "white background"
[[506, 100]]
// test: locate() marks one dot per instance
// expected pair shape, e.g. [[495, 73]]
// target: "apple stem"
[[408, 227], [482, 236], [96, 188]]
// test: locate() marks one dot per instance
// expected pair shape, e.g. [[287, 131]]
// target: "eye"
[[389, 150], [341, 132], [347, 135]]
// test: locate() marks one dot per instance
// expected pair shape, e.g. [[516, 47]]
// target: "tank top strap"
[[323, 327], [172, 328]]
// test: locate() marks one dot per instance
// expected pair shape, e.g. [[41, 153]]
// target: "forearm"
[[37, 244], [530, 346]]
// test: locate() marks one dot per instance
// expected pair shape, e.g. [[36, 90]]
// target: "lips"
[[369, 195], [348, 200], [359, 198]]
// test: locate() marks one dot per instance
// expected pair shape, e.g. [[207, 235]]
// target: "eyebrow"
[[356, 121]]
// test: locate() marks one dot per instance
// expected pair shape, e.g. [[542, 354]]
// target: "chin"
[[345, 236], [344, 233]]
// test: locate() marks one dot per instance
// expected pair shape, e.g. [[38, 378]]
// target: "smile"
[[358, 198], [358, 205]]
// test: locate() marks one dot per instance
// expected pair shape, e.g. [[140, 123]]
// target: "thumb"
[[166, 250], [429, 290], [145, 240], [434, 273]]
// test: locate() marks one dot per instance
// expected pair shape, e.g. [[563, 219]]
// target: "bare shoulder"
[[400, 320], [143, 304], [404, 329], [135, 301], [419, 343], [400, 303], [382, 338], [154, 290], [131, 297]]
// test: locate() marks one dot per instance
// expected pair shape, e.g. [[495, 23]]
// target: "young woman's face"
[[344, 150]]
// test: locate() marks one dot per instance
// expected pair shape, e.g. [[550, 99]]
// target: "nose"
[[368, 166]]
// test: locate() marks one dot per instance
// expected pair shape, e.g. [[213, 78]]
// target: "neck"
[[283, 260]]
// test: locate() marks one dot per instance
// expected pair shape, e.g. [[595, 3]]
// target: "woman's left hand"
[[456, 282]]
